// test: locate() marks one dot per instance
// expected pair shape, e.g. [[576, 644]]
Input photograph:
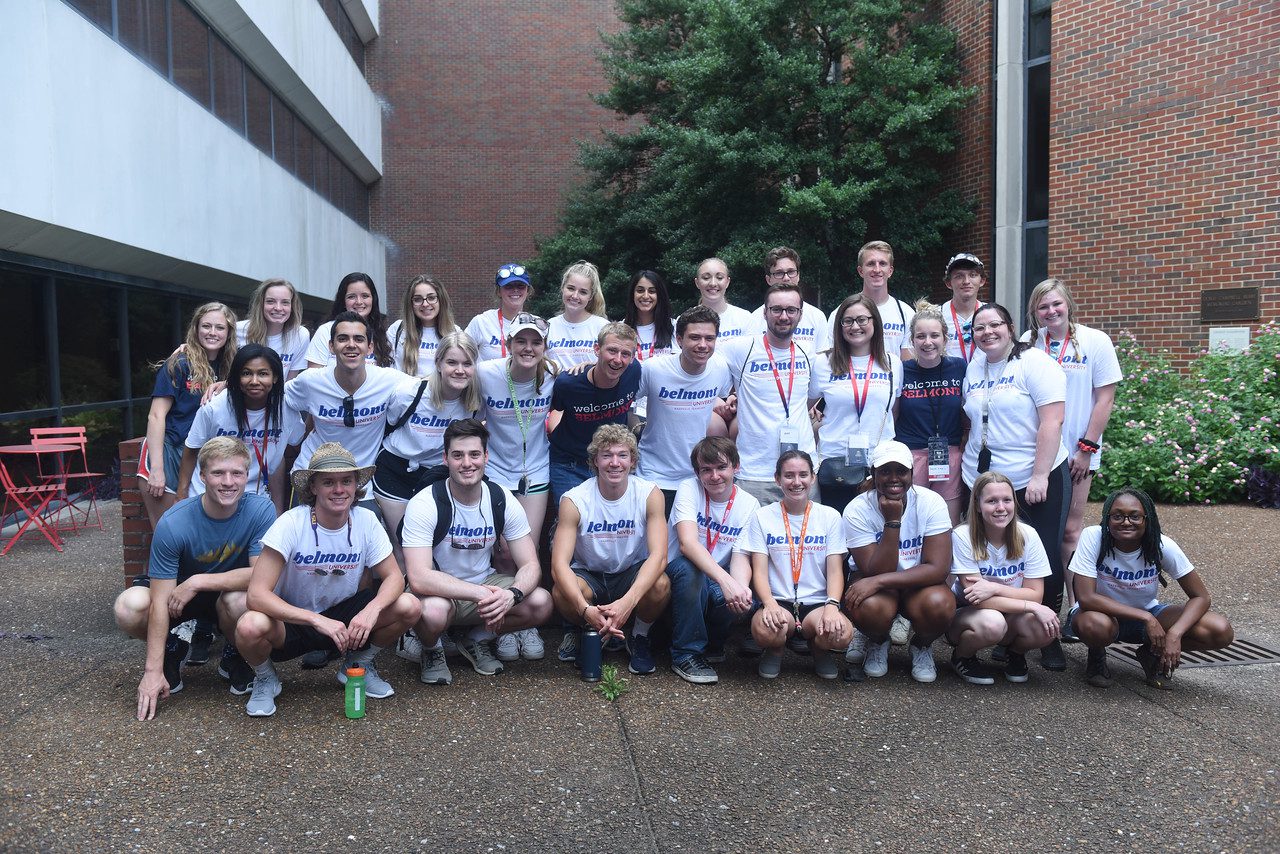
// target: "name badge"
[[856, 454], [939, 459], [788, 439]]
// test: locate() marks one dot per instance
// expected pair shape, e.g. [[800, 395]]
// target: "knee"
[[1095, 629], [435, 613], [131, 608], [936, 606], [539, 602], [407, 609], [252, 627], [660, 591], [1217, 630], [875, 613], [989, 627], [232, 604]]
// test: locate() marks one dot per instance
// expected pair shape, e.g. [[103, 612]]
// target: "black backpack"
[[444, 509]]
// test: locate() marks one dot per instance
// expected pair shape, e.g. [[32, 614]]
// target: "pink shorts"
[[949, 488]]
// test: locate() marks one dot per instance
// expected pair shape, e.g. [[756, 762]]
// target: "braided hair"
[[1152, 553]]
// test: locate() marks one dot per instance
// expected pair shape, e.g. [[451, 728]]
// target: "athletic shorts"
[[805, 608], [299, 640], [1131, 631], [608, 587], [393, 480], [172, 465]]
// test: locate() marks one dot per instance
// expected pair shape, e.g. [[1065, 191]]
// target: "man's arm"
[[566, 539], [392, 585], [154, 687], [735, 587], [655, 524]]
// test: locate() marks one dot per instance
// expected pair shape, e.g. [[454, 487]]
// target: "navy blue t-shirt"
[[186, 400], [585, 408], [932, 402]]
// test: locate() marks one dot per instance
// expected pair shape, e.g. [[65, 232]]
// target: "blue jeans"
[[698, 610], [564, 477]]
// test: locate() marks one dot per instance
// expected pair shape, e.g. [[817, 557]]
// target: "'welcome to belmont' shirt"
[[316, 392], [324, 567], [266, 448], [925, 515], [679, 408], [931, 402], [570, 344], [612, 535], [997, 566], [767, 535], [1125, 576], [718, 523], [761, 412], [511, 454], [585, 408], [467, 551]]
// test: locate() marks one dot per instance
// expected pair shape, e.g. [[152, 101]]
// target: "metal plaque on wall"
[[1230, 304]]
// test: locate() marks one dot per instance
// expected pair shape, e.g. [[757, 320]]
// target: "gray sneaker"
[[857, 651], [262, 702], [876, 662], [433, 669], [480, 654], [508, 647], [824, 664], [900, 631], [374, 685], [770, 664], [696, 670]]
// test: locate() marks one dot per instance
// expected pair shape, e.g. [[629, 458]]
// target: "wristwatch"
[[893, 524], [518, 594]]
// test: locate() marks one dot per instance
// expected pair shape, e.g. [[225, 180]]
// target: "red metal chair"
[[33, 501], [75, 485]]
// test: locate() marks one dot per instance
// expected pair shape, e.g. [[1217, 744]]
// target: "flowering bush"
[[1192, 438]]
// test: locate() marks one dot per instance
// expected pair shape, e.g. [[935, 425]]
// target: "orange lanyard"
[[955, 321], [711, 544], [791, 377], [797, 556], [1061, 352], [860, 404]]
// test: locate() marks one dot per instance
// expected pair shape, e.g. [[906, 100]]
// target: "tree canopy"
[[818, 124]]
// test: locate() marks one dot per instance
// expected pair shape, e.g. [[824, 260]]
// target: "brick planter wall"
[[134, 525]]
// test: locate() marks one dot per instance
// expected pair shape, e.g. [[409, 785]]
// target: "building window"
[[346, 31], [1035, 258], [191, 54]]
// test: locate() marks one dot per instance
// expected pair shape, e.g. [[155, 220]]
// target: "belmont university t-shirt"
[[611, 534], [324, 567]]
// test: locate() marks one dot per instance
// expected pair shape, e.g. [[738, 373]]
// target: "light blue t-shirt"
[[187, 542]]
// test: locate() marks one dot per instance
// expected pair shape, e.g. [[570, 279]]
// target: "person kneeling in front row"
[[306, 590]]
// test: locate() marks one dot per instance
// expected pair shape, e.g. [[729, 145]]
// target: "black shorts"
[[805, 608], [299, 640], [392, 478]]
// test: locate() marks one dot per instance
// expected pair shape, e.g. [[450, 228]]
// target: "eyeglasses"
[[516, 270], [780, 310], [793, 273], [420, 300], [336, 573], [348, 411], [864, 320], [1118, 518], [992, 326]]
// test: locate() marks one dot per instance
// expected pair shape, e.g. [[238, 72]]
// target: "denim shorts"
[[608, 587], [1131, 631]]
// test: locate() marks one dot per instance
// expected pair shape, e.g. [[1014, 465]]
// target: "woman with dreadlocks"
[[1119, 567]]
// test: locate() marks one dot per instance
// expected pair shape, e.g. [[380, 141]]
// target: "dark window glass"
[[259, 111], [26, 381], [191, 53], [305, 146], [1035, 261], [144, 30], [345, 29], [228, 85], [151, 337], [1039, 15], [282, 122], [98, 11], [89, 342], [1038, 142]]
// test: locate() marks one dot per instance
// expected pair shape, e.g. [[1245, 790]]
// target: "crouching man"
[[449, 534], [306, 592]]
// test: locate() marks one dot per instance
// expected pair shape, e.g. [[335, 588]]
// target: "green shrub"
[[1191, 438]]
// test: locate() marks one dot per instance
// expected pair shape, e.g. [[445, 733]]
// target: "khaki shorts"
[[464, 610]]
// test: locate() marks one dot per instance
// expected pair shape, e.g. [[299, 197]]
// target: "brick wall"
[[1165, 161], [484, 102], [134, 525]]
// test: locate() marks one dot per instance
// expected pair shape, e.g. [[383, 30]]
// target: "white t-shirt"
[[761, 413], [471, 526], [570, 344], [679, 408], [319, 351], [766, 534], [317, 392], [1124, 576], [511, 453], [265, 450], [719, 531], [1090, 362], [290, 346], [612, 535], [735, 322], [997, 567], [1018, 388], [426, 348], [811, 330], [895, 316], [646, 334], [420, 440], [955, 334], [489, 333], [323, 567], [840, 419], [925, 515]]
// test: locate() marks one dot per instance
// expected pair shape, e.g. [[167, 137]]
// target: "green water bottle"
[[355, 692]]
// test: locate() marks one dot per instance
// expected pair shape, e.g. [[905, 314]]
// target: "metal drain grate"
[[1240, 652]]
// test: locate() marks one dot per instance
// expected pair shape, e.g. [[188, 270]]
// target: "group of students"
[[467, 437]]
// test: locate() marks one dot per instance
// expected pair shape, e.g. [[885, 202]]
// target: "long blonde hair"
[[458, 340], [201, 372], [589, 271], [410, 330], [977, 528], [257, 331]]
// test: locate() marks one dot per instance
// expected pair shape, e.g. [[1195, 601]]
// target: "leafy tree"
[[819, 124]]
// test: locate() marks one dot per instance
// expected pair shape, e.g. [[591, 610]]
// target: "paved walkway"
[[534, 761]]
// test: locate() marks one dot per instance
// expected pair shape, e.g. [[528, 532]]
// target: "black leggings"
[[1049, 518]]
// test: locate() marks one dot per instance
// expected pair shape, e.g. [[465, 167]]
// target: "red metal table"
[[32, 499]]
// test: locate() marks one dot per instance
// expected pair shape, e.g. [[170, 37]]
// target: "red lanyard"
[[502, 339], [791, 377], [711, 544], [797, 558], [955, 321], [263, 473], [1063, 351], [860, 404]]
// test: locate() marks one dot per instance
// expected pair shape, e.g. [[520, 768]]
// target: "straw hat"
[[328, 458]]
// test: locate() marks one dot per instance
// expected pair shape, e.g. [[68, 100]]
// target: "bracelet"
[[893, 524], [585, 609], [831, 601], [1086, 445]]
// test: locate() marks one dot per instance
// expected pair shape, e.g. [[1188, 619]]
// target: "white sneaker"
[[531, 647], [923, 668], [857, 650], [900, 631], [262, 702], [409, 647], [508, 647], [876, 664]]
